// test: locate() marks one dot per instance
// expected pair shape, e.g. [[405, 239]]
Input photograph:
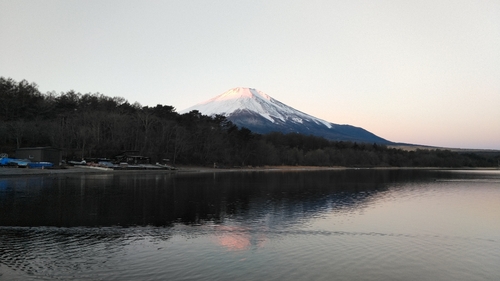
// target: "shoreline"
[[83, 170]]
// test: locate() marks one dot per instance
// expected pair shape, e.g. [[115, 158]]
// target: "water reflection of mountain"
[[164, 199]]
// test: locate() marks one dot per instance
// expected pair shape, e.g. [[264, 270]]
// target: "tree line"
[[93, 125]]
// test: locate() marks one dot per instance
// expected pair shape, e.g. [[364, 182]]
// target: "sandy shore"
[[6, 172]]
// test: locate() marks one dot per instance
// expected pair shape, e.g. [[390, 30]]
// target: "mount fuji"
[[255, 110]]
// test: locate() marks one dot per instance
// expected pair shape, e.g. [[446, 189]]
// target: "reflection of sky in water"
[[455, 208], [236, 238]]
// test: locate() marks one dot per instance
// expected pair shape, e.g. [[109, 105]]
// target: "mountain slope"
[[262, 114]]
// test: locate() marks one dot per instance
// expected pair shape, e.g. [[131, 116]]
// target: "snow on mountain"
[[253, 109], [256, 101]]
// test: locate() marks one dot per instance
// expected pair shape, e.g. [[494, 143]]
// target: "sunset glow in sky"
[[423, 72]]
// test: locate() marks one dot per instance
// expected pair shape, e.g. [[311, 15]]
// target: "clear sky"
[[423, 72]]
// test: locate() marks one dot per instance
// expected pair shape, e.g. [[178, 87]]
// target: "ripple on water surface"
[[229, 253], [376, 225]]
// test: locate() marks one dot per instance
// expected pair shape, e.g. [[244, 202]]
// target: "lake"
[[352, 224]]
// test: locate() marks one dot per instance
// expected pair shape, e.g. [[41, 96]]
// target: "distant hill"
[[257, 111]]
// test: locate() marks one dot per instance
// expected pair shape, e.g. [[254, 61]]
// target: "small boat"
[[73, 163], [40, 165], [21, 163]]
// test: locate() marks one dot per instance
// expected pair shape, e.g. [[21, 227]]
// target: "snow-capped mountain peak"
[[241, 93], [248, 99], [259, 112]]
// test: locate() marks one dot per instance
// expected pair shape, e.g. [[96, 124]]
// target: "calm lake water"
[[315, 225]]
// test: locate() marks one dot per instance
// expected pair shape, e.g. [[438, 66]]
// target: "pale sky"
[[422, 72]]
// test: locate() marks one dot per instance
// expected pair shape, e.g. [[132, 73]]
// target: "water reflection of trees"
[[165, 199]]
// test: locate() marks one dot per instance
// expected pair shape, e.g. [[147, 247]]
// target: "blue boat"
[[14, 162]]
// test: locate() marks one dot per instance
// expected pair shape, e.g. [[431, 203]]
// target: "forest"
[[93, 125]]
